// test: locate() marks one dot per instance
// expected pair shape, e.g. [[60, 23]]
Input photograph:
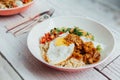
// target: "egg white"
[[57, 54]]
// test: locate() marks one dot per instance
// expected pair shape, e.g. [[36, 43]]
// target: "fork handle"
[[25, 20]]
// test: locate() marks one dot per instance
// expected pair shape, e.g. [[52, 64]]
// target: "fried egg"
[[58, 51]]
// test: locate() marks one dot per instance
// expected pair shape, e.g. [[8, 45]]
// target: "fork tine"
[[51, 11]]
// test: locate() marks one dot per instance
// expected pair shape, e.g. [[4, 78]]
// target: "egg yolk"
[[60, 41]]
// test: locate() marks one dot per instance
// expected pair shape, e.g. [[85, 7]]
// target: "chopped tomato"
[[60, 32], [48, 37]]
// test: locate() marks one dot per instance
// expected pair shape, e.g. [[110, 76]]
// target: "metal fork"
[[36, 19]]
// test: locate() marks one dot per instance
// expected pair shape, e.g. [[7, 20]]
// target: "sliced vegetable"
[[99, 48]]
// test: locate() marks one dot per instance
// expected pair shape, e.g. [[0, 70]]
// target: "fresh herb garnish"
[[99, 48]]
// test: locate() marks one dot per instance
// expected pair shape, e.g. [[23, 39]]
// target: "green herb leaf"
[[99, 48], [79, 33], [87, 34], [57, 29], [68, 29], [92, 38]]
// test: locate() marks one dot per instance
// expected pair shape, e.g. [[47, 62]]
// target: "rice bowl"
[[94, 28]]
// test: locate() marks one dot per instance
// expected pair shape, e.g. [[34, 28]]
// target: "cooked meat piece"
[[88, 47], [90, 59], [72, 38]]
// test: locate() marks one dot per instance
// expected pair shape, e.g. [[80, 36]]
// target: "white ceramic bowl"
[[102, 35]]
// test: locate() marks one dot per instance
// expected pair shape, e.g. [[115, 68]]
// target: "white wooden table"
[[17, 63]]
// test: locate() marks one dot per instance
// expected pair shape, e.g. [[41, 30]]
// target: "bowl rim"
[[18, 6], [81, 67]]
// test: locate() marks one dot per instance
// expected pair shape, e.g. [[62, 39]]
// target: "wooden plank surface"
[[113, 69], [6, 71], [16, 52]]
